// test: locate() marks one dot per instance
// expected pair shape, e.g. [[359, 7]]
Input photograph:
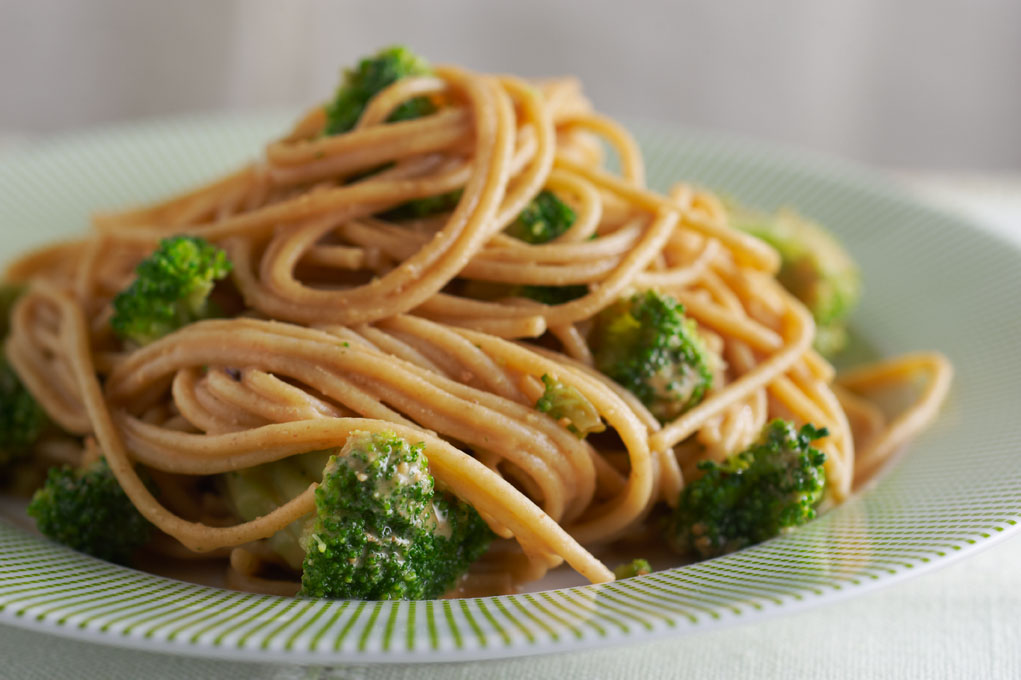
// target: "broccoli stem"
[[565, 404]]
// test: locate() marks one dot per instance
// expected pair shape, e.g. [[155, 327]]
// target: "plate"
[[933, 282]]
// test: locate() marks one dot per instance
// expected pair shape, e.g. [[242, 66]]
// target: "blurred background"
[[932, 84]]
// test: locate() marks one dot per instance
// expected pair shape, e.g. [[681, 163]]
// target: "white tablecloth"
[[963, 621]]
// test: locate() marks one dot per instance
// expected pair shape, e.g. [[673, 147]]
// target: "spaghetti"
[[351, 320]]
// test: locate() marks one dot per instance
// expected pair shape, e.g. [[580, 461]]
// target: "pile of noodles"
[[352, 322]]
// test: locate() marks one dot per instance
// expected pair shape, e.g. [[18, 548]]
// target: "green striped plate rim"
[[933, 281]]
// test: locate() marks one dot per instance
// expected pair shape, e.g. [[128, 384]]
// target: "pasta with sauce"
[[438, 265]]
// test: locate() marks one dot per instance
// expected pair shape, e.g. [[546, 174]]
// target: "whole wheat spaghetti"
[[348, 319]]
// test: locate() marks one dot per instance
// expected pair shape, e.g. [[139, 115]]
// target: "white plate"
[[932, 282]]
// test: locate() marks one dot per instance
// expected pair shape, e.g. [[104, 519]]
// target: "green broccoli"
[[172, 289], [542, 220], [22, 420], [772, 487], [424, 207], [646, 344], [564, 403], [372, 76], [87, 510], [381, 531], [257, 491], [815, 268], [636, 567], [545, 218], [360, 85], [552, 295]]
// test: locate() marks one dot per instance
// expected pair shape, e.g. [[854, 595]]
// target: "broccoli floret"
[[381, 531], [360, 85], [565, 404], [646, 344], [425, 207], [545, 218], [552, 295], [87, 510], [171, 290], [636, 567], [372, 76], [22, 420], [772, 487], [815, 268]]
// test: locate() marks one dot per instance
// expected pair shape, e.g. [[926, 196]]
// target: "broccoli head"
[[381, 530], [565, 404], [771, 488], [171, 290], [372, 76], [814, 267], [420, 208], [369, 78], [22, 420], [636, 567], [545, 218], [646, 344], [87, 510]]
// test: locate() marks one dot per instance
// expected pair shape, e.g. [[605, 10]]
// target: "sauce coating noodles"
[[350, 320]]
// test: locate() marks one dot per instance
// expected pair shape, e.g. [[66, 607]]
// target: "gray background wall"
[[908, 83]]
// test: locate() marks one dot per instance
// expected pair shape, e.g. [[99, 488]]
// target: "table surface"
[[961, 621]]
